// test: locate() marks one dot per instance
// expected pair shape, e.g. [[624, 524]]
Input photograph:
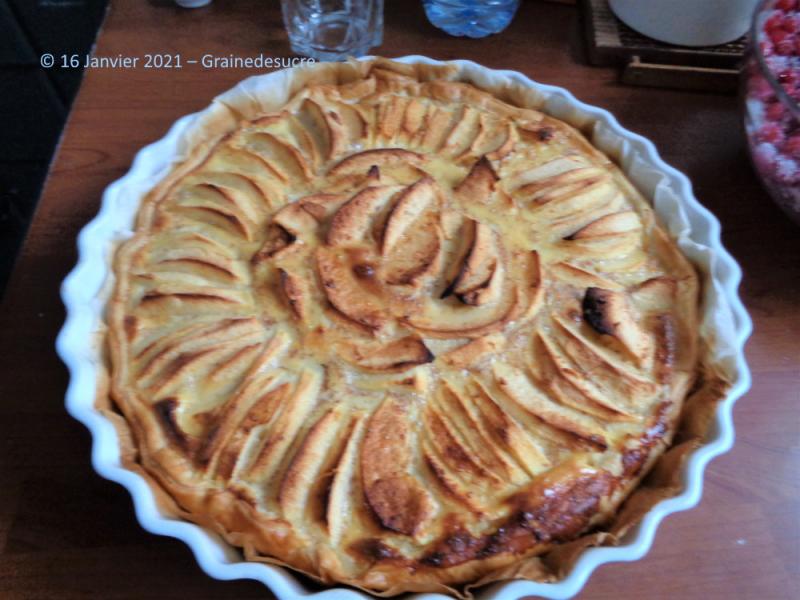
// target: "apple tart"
[[400, 334]]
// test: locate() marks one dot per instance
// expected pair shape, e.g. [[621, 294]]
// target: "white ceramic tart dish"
[[405, 326]]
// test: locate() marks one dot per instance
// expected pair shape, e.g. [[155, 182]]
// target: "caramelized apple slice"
[[294, 219], [321, 205], [352, 121], [613, 224], [656, 294], [575, 387], [439, 122], [344, 499], [569, 209], [328, 133], [345, 292], [417, 256], [478, 185], [307, 465], [254, 406], [529, 277], [412, 236], [353, 220], [556, 186], [450, 318], [399, 502], [287, 160], [394, 356], [452, 406], [207, 201], [470, 353], [362, 161], [581, 278], [277, 240], [488, 293], [608, 369], [543, 172], [412, 203], [390, 117], [506, 431], [458, 405], [519, 388], [238, 192], [297, 293], [456, 465], [283, 431], [513, 294], [459, 233], [608, 312], [463, 134], [260, 172], [480, 266], [499, 141], [413, 118]]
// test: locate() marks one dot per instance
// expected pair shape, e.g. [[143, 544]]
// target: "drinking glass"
[[333, 29]]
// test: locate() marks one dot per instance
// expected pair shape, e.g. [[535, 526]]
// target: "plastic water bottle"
[[473, 18]]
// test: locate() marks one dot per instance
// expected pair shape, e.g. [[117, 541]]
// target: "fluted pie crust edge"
[[678, 429]]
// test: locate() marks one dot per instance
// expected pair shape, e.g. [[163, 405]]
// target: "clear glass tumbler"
[[333, 29]]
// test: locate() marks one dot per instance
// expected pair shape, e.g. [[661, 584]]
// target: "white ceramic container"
[[687, 22]]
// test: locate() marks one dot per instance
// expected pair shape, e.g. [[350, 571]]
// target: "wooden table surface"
[[66, 533]]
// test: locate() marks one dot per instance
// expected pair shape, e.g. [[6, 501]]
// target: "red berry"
[[786, 5], [785, 47], [770, 132], [792, 146], [787, 77], [764, 156], [759, 88], [790, 23], [775, 111], [774, 23], [778, 35]]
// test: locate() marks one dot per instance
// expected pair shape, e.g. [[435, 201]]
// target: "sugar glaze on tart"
[[400, 333]]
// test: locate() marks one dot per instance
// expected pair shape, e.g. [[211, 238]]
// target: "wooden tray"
[[648, 62]]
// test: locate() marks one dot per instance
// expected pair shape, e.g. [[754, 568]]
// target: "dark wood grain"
[[66, 533]]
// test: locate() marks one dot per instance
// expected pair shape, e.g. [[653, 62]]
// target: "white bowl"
[[687, 22], [696, 230]]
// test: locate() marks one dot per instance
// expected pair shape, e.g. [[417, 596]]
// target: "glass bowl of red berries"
[[771, 92]]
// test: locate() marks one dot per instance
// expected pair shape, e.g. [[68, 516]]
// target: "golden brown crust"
[[401, 334]]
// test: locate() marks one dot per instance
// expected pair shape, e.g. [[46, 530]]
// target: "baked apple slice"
[[480, 278], [615, 234], [354, 219], [467, 355], [389, 357], [451, 318], [346, 293], [412, 203], [380, 157], [297, 293], [399, 502], [608, 312], [412, 236], [479, 184], [326, 131]]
